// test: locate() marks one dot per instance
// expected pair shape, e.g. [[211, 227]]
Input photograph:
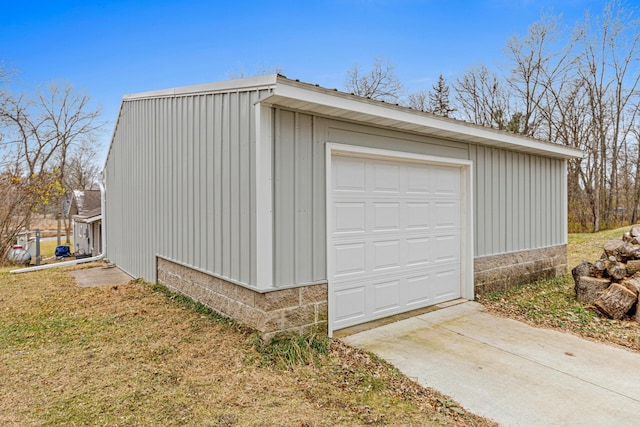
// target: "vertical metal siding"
[[518, 197], [303, 198], [180, 180], [519, 201], [284, 198], [299, 185], [219, 161], [179, 184], [318, 201]]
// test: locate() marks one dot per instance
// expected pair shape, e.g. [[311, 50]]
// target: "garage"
[[298, 209], [395, 227]]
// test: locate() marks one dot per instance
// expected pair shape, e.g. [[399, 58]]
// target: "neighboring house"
[[86, 214], [292, 207]]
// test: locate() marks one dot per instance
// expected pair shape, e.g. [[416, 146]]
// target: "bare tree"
[[537, 62], [418, 100], [69, 120], [482, 98], [580, 89], [82, 171], [38, 135], [25, 180], [609, 68], [379, 83]]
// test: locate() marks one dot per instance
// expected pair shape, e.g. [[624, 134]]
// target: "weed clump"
[[289, 351]]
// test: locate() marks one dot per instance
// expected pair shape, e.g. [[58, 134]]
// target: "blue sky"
[[111, 48]]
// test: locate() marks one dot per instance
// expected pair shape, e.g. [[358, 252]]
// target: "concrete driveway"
[[510, 372]]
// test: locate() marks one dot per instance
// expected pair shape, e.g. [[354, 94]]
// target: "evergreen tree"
[[439, 99]]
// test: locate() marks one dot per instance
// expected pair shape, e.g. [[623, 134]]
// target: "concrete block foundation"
[[504, 271], [301, 310], [304, 310]]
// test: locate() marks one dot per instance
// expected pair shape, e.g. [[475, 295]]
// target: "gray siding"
[[180, 184], [299, 185], [519, 201], [518, 198]]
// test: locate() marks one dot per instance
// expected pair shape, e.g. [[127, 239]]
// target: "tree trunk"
[[633, 266], [585, 268], [616, 270], [622, 251], [59, 217], [599, 267], [632, 283], [67, 229], [612, 247], [616, 301], [589, 289]]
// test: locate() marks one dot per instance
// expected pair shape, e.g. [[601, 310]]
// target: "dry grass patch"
[[552, 303], [138, 355], [588, 246]]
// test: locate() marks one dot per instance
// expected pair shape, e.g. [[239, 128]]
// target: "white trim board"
[[264, 197]]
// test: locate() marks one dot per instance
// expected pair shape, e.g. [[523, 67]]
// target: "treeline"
[[576, 86]]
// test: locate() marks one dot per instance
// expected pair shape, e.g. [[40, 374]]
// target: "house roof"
[[91, 216], [87, 201], [333, 103]]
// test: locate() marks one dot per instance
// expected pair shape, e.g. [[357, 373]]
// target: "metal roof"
[[322, 101]]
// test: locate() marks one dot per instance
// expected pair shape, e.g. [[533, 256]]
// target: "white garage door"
[[394, 242]]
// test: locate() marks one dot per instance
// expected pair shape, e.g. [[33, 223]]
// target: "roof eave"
[[87, 219], [327, 102]]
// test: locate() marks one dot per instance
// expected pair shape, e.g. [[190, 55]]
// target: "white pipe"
[[103, 221], [58, 264]]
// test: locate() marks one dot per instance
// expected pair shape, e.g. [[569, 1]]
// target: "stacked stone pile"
[[612, 283]]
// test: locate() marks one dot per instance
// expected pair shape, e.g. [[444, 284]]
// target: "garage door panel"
[[376, 255], [418, 180], [386, 177], [441, 284], [418, 214], [445, 181], [349, 217], [446, 249], [418, 251], [418, 290], [351, 176], [386, 254], [445, 214], [386, 216], [386, 296], [395, 238], [350, 305], [350, 259]]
